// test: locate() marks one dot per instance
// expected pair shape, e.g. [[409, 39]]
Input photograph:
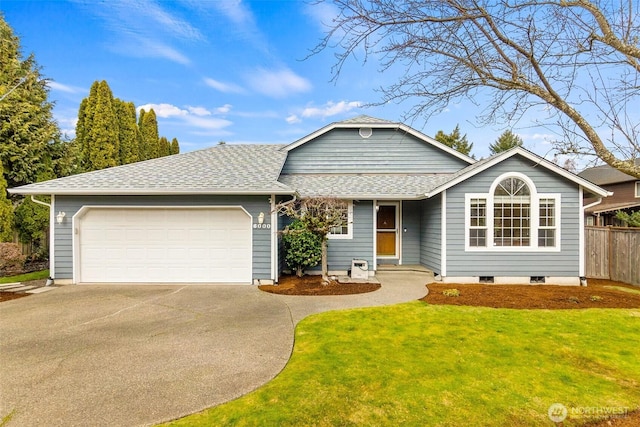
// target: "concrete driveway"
[[138, 355]]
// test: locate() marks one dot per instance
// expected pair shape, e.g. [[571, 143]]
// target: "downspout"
[[51, 237], [583, 278]]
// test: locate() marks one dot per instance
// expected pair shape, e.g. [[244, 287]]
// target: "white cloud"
[[292, 119], [222, 86], [207, 123], [144, 29], [164, 110], [64, 88], [199, 111], [331, 109], [196, 118], [278, 84], [224, 109]]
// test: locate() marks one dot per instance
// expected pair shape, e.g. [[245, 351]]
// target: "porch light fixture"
[[261, 218], [60, 217]]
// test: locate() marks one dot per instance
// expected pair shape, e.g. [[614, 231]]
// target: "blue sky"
[[234, 71]]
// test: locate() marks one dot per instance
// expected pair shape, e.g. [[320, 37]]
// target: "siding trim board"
[[443, 237]]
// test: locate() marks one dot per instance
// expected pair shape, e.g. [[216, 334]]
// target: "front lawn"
[[37, 275], [420, 364]]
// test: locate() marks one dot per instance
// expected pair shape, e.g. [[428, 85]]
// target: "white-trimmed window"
[[513, 216], [637, 188], [478, 222], [345, 230]]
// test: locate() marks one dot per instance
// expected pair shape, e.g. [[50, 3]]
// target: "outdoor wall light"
[[261, 218], [60, 217]]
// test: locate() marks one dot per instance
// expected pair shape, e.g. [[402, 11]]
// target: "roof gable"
[[373, 123], [487, 163]]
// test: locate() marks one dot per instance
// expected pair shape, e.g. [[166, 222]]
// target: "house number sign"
[[266, 226]]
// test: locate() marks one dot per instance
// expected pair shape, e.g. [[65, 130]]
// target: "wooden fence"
[[613, 253]]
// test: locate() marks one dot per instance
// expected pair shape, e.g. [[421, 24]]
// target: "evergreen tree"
[[103, 135], [175, 147], [6, 211], [26, 121], [143, 153], [164, 148], [128, 138], [149, 131], [85, 124], [506, 141], [455, 141]]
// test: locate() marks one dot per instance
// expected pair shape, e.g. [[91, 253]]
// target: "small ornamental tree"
[[318, 215], [303, 248]]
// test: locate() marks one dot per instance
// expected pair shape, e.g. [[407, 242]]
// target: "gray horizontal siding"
[[252, 204], [342, 251], [412, 223], [386, 151], [431, 238], [562, 264]]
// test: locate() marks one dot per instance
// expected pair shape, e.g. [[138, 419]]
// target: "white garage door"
[[185, 245]]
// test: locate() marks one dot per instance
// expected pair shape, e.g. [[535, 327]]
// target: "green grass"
[[44, 274], [419, 364], [623, 289]]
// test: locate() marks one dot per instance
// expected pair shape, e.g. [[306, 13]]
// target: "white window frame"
[[534, 219], [638, 189], [349, 234]]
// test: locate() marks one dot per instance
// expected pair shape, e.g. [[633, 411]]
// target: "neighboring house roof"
[[611, 207], [374, 123], [605, 175], [223, 169], [484, 164]]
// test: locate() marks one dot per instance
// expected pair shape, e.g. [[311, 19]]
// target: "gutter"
[[590, 205], [51, 236]]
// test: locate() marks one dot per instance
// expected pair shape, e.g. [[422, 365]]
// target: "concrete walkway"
[[118, 355], [397, 286]]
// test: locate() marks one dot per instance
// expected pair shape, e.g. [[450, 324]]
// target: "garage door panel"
[[165, 245]]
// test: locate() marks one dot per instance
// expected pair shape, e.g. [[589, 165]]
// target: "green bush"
[[451, 293], [303, 249]]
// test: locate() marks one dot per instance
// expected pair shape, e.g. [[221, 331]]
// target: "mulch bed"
[[313, 285], [595, 295]]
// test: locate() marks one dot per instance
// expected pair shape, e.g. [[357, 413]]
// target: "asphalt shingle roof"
[[223, 169], [364, 186], [605, 174]]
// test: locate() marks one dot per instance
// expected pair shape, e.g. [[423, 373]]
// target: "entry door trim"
[[398, 227]]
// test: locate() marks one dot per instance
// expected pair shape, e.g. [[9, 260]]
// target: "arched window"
[[513, 216], [512, 213]]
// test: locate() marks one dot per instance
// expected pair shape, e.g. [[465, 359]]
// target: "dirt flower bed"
[[597, 294], [312, 285]]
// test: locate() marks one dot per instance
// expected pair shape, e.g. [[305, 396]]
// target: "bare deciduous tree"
[[318, 215], [578, 60]]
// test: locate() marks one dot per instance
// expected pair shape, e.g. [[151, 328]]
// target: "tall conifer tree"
[[26, 119], [455, 141], [506, 141], [164, 147], [175, 147], [104, 133], [128, 137], [149, 131]]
